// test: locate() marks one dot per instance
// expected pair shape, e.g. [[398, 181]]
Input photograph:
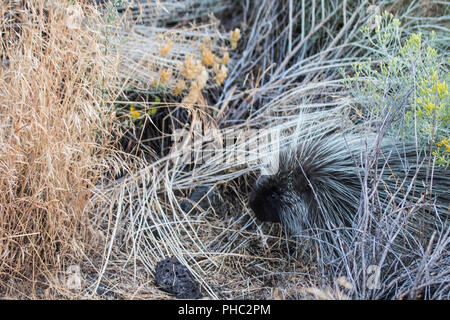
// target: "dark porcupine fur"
[[318, 184]]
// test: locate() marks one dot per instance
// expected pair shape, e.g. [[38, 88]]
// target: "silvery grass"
[[157, 13], [139, 48], [286, 63], [311, 55], [398, 234], [394, 223], [157, 227], [137, 38]]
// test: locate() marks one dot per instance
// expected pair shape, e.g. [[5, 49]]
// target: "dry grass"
[[54, 129], [182, 60], [73, 210], [159, 12], [280, 73]]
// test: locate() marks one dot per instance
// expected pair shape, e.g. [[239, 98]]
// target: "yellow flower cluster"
[[433, 113], [193, 73], [413, 44], [428, 88], [225, 57], [444, 143], [192, 97], [441, 88], [193, 70], [166, 48], [134, 114], [179, 87], [165, 75], [427, 108], [415, 38], [201, 79], [196, 71], [221, 74], [208, 58], [235, 35], [191, 67]]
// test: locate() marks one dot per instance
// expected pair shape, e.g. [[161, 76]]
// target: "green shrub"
[[406, 83]]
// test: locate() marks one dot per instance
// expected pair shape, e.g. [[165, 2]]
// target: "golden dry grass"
[[53, 133]]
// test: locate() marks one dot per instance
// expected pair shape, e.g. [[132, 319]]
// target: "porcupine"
[[318, 184]]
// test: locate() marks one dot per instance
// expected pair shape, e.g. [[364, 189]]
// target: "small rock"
[[175, 278], [209, 195]]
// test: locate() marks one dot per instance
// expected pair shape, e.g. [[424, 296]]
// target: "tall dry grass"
[[53, 136]]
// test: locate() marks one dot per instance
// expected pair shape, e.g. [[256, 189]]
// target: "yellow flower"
[[429, 107], [221, 74], [445, 143], [166, 48], [434, 77], [235, 35], [165, 75], [179, 87], [225, 57], [208, 57], [201, 77], [190, 67], [441, 89], [416, 37], [413, 43], [420, 113], [192, 97], [134, 114]]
